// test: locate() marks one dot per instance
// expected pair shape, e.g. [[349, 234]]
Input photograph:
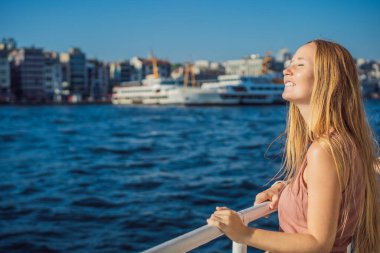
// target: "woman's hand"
[[230, 223], [272, 194]]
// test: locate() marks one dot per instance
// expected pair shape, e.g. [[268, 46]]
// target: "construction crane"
[[265, 68], [266, 60], [154, 65], [189, 71]]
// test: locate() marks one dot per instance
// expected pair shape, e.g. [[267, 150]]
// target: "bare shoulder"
[[320, 163], [318, 150]]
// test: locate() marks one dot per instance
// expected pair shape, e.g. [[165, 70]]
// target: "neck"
[[305, 111]]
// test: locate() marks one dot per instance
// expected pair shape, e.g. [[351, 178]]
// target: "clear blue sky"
[[190, 30]]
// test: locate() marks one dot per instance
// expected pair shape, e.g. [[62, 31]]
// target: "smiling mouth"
[[290, 84]]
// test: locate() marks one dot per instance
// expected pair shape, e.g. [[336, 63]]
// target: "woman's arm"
[[324, 198]]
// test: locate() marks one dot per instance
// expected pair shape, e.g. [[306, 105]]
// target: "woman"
[[329, 197]]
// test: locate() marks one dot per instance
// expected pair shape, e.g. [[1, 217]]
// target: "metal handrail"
[[205, 234]]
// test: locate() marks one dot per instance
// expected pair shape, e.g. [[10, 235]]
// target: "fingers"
[[216, 218], [261, 197], [271, 195], [274, 202], [216, 222], [223, 211]]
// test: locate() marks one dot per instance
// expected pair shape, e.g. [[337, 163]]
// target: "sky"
[[190, 30]]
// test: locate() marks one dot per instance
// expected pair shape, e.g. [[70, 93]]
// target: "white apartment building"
[[245, 67]]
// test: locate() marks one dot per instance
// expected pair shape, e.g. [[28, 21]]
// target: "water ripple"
[[123, 179], [95, 202]]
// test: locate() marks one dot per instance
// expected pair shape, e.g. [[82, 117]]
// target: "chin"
[[286, 97]]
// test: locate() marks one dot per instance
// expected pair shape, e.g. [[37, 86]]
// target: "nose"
[[286, 71]]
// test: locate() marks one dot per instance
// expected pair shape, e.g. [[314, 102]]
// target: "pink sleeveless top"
[[292, 212]]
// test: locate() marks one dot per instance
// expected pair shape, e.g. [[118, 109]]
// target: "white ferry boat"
[[236, 90], [150, 91], [227, 90]]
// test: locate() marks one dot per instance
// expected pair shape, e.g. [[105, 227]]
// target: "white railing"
[[205, 234]]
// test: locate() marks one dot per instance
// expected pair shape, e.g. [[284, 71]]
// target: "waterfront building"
[[53, 76], [27, 74], [74, 75], [64, 60], [5, 76], [250, 66], [115, 73], [143, 67], [126, 70], [360, 61], [369, 76], [177, 72], [376, 70], [120, 72], [206, 70], [205, 65], [203, 70], [202, 64], [217, 66], [283, 55], [8, 44], [97, 80]]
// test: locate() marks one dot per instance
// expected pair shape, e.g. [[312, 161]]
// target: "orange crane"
[[266, 60], [155, 67], [189, 71], [264, 70]]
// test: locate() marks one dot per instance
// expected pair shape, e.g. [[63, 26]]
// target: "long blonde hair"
[[336, 104]]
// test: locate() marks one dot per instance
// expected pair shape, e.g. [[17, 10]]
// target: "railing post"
[[238, 248]]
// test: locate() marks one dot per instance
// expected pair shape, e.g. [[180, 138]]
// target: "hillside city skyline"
[[39, 75], [149, 53]]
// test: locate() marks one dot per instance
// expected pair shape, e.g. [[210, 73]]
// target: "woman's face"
[[299, 76]]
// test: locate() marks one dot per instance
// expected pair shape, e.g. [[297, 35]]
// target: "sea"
[[106, 178]]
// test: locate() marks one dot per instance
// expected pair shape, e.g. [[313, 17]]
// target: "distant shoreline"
[[54, 104], [19, 104]]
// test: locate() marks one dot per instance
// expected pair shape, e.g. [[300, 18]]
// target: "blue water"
[[123, 179]]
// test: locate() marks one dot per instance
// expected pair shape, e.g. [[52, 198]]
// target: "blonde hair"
[[336, 104]]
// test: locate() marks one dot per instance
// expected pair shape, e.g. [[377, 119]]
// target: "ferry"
[[226, 90], [151, 91], [237, 90]]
